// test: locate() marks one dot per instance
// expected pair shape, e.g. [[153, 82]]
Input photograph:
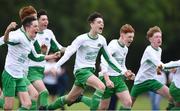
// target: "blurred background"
[[68, 19]]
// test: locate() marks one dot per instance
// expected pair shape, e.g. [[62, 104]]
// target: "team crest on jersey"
[[47, 39], [99, 45]]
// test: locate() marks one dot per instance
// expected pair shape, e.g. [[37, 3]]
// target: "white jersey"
[[171, 64], [20, 49], [161, 78], [149, 61], [87, 49], [119, 53], [2, 40], [45, 38], [176, 76]]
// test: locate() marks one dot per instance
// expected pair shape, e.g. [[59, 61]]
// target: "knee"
[[35, 96], [101, 87], [8, 106], [128, 103]]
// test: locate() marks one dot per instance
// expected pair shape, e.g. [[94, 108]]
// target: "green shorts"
[[12, 85], [27, 81], [35, 73], [119, 86], [81, 76], [175, 92], [148, 85]]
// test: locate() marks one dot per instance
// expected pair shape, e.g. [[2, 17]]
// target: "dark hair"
[[27, 21], [41, 12], [93, 16]]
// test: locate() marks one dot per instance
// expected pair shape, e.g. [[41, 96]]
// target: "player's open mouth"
[[100, 28], [129, 42], [45, 25]]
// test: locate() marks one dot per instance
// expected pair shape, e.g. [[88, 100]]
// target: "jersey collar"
[[94, 38], [23, 31]]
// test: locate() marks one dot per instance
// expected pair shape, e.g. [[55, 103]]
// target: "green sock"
[[86, 100], [34, 105], [43, 98], [22, 108], [175, 108], [124, 109], [57, 104], [1, 102], [170, 105], [96, 99]]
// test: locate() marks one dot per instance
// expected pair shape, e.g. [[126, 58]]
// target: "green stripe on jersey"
[[105, 55], [37, 47], [37, 59], [54, 48]]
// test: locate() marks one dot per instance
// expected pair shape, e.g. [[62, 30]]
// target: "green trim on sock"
[[57, 104], [1, 102], [43, 98], [86, 100], [170, 105], [124, 109], [175, 108], [34, 105], [96, 99], [22, 108]]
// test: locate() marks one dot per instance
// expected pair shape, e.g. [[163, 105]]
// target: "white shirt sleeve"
[[14, 38], [172, 64], [70, 50], [35, 53], [2, 40]]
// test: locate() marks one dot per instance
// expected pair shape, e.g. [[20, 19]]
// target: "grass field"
[[142, 103]]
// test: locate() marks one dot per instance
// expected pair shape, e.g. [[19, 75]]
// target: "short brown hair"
[[26, 11], [153, 30], [127, 28]]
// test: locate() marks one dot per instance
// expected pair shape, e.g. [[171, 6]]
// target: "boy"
[[87, 46], [174, 88], [145, 78], [20, 49], [113, 80], [44, 44]]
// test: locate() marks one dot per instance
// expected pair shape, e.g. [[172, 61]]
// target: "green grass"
[[142, 103]]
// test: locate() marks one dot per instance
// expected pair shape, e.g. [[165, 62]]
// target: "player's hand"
[[58, 54], [51, 56], [11, 26], [130, 75], [43, 49], [109, 84], [159, 69]]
